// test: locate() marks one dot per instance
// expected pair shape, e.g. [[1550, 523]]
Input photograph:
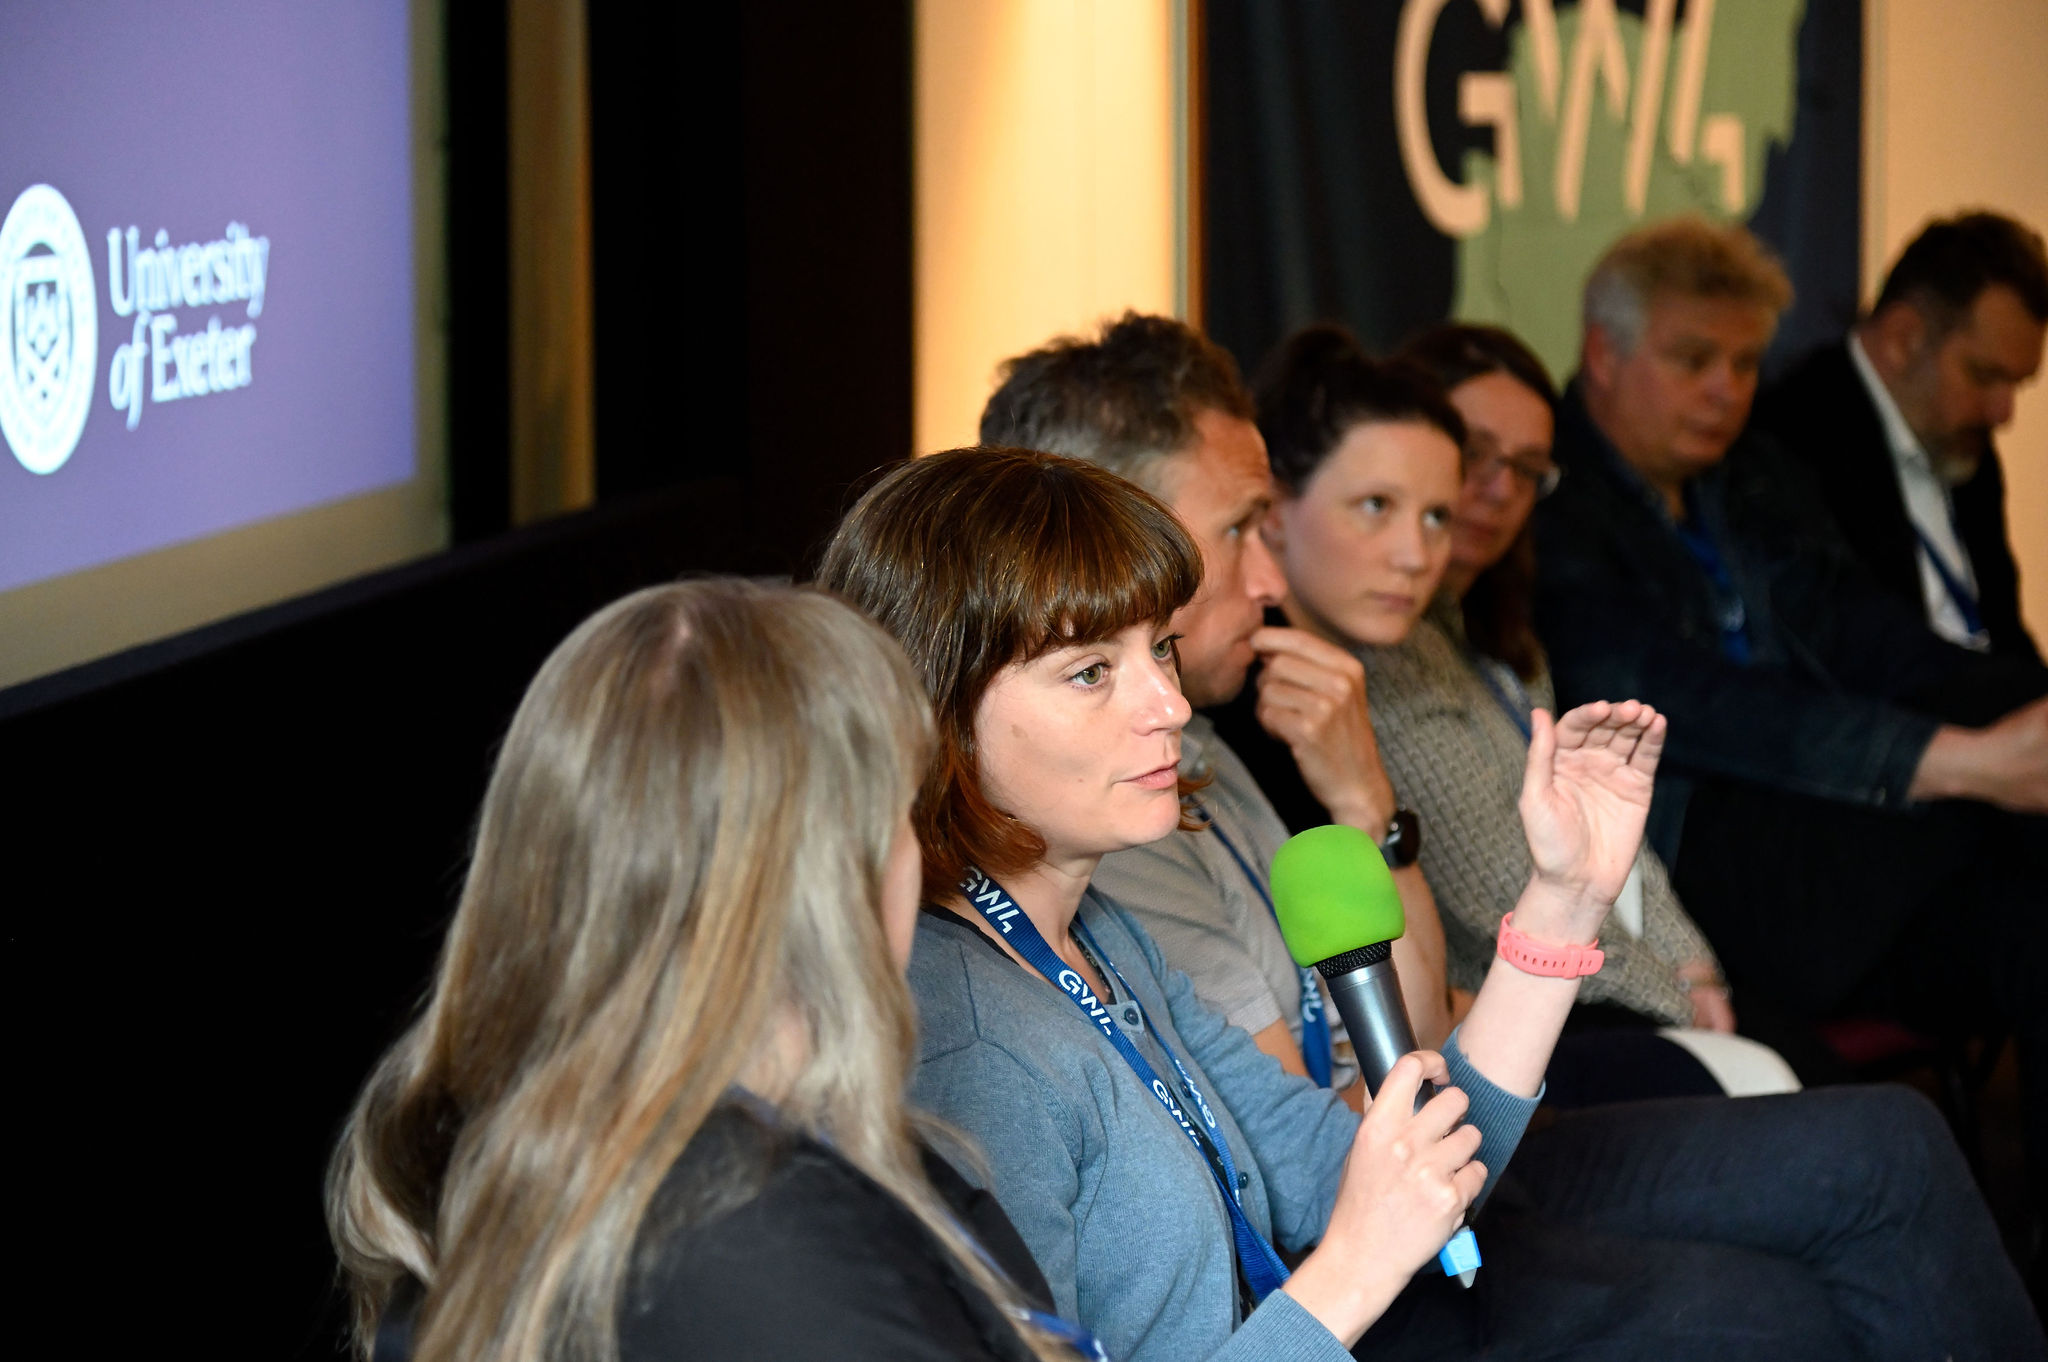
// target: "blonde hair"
[[683, 840], [1688, 257]]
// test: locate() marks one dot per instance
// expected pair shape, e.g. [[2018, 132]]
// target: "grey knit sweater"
[[1456, 758], [1121, 1213]]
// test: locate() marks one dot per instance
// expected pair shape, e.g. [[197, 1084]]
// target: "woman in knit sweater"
[[1460, 689], [1451, 710]]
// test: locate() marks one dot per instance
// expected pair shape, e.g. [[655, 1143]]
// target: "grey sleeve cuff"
[[1281, 1328], [1500, 1115]]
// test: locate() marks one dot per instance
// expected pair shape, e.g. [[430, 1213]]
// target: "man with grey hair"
[[1154, 400], [1852, 807], [1128, 399]]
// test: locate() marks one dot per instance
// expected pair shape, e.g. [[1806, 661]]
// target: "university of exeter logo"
[[49, 329]]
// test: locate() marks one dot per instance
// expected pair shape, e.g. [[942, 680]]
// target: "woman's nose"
[[1408, 552], [1162, 706]]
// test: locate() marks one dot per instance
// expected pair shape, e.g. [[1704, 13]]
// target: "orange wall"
[[1955, 101], [1046, 184]]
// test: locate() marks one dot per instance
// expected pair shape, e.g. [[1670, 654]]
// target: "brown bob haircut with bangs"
[[976, 559]]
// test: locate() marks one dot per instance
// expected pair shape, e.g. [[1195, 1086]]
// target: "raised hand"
[[1585, 795]]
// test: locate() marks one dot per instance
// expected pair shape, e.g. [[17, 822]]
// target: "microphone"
[[1340, 915]]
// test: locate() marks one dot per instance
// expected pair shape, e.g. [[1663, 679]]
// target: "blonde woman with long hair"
[[653, 1106]]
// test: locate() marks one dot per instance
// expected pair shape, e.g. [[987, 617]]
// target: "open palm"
[[1586, 793]]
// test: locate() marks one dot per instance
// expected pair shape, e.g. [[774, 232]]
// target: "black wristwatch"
[[1403, 842]]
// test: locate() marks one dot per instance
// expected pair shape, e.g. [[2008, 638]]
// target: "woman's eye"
[[1162, 651], [1092, 674], [1436, 517], [1373, 505]]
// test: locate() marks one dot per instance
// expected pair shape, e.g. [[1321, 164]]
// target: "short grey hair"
[[1688, 257], [1123, 400]]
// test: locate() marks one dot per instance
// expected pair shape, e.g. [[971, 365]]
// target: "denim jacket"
[[1825, 704]]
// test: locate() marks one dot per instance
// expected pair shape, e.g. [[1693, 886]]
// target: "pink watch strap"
[[1551, 962]]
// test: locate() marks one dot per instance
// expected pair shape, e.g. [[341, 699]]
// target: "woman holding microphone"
[[1159, 1165]]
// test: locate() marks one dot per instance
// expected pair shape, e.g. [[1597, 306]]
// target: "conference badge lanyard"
[[1516, 702], [1516, 706], [1262, 1268], [1315, 1021], [1083, 1343], [1952, 582], [1731, 614]]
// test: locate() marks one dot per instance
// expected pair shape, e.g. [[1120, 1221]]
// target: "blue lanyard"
[[1952, 582], [1728, 604], [1262, 1268], [1728, 607], [1518, 706], [1315, 1022], [1082, 1342], [1079, 1340]]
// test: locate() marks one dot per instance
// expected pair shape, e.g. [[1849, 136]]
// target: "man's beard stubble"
[[1957, 459]]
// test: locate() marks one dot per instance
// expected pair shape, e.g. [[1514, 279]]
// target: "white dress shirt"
[[1927, 507]]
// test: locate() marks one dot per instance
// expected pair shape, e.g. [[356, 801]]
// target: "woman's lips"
[[1396, 601], [1159, 778]]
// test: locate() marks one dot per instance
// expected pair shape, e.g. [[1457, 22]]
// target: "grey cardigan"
[[1456, 758], [1120, 1211]]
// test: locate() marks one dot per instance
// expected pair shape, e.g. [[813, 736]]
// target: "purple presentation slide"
[[206, 269]]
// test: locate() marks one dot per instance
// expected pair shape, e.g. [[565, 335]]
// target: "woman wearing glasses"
[[1422, 568]]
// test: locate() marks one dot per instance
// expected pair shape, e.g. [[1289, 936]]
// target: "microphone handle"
[[1375, 1017], [1368, 997]]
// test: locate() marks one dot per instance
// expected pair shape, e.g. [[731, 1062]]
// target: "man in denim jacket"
[[1852, 807]]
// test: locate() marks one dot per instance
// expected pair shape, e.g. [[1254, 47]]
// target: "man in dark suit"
[[1896, 421], [1855, 810]]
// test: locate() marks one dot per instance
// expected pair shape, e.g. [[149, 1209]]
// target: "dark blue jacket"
[[1845, 686], [1822, 414]]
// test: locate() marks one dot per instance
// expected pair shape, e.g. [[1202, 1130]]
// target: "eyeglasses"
[[1483, 462]]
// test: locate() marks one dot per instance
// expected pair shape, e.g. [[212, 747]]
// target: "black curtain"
[[1308, 210], [751, 217], [1814, 182], [231, 854]]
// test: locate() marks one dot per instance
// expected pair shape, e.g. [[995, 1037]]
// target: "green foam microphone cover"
[[1333, 893]]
